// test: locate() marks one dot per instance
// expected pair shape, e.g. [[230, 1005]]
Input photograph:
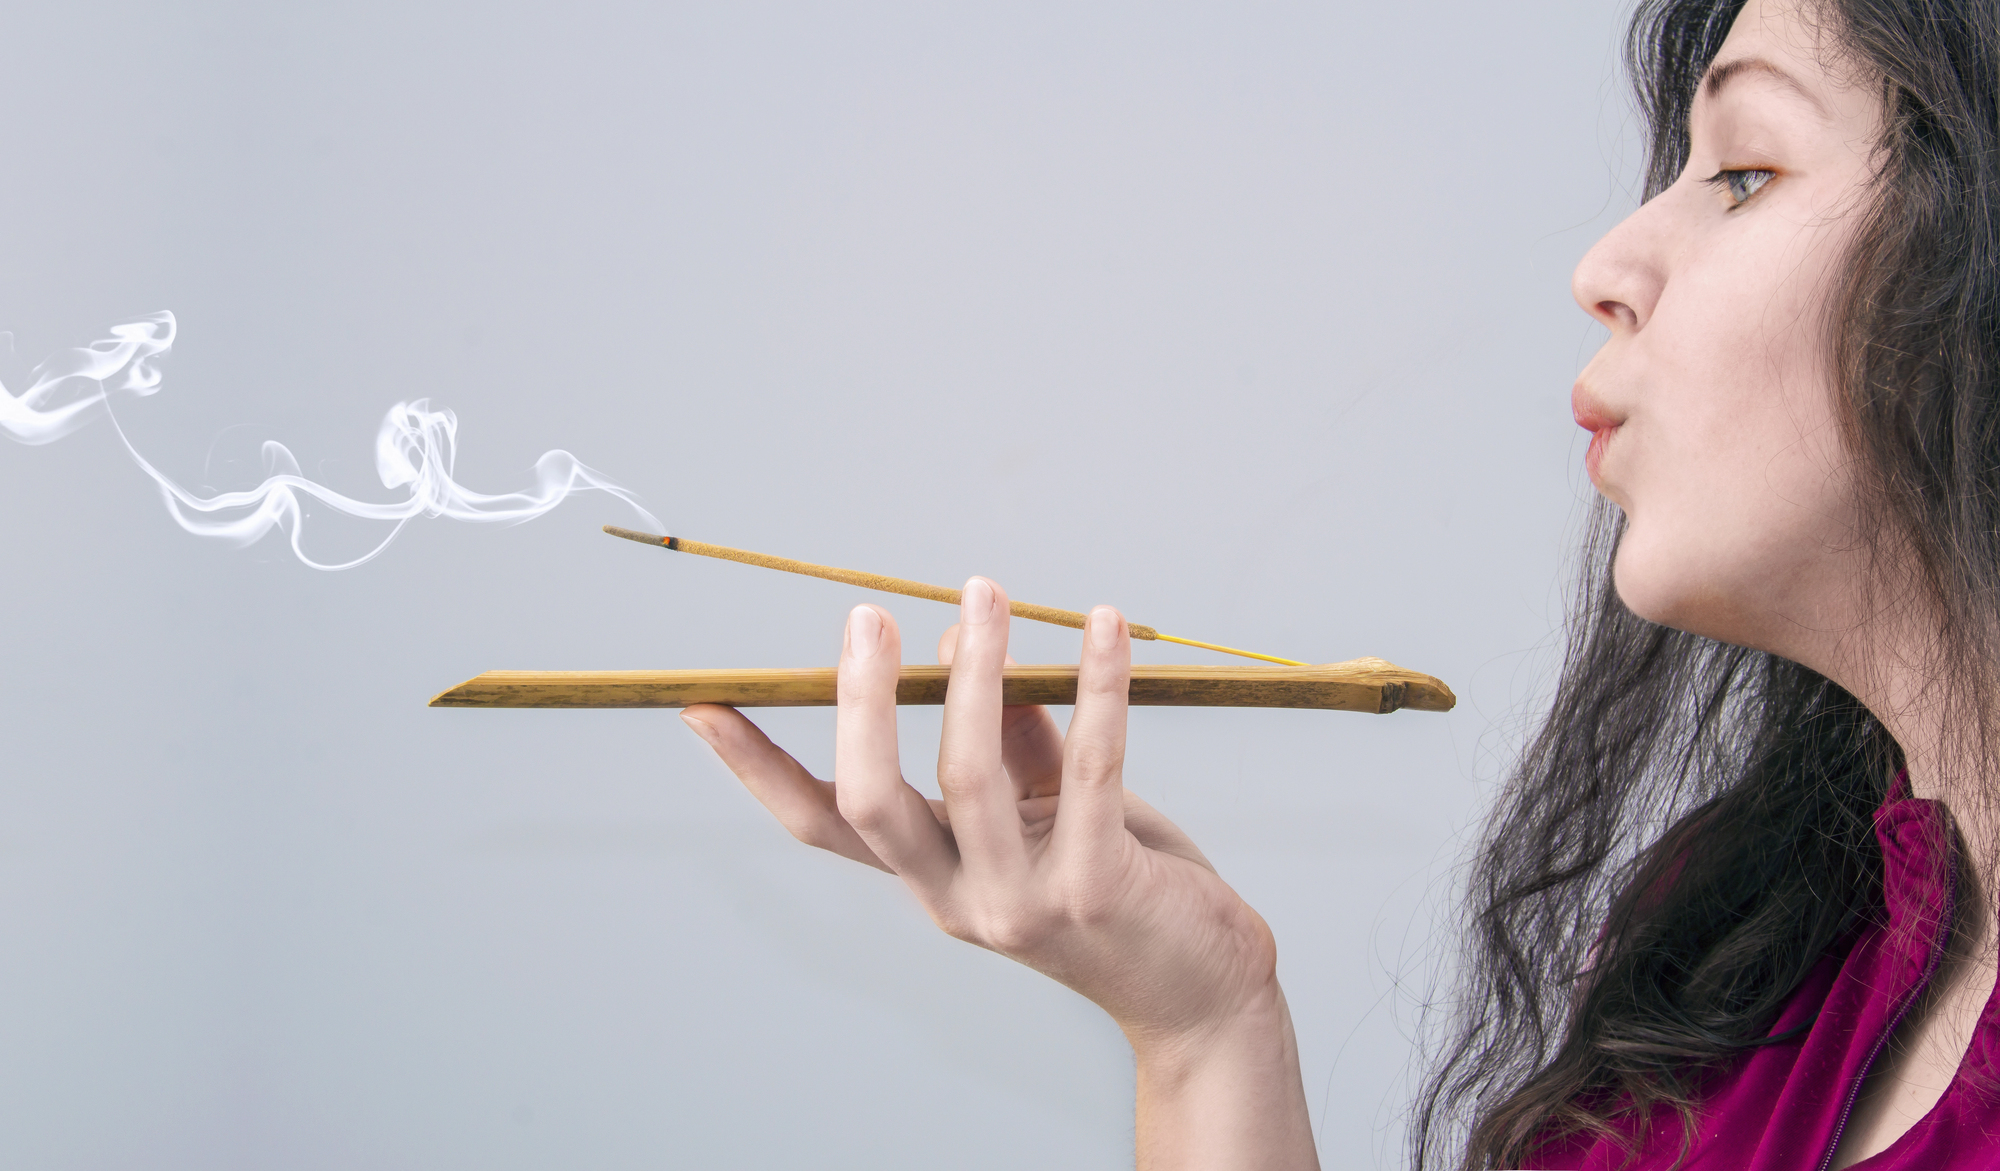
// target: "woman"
[[1735, 907]]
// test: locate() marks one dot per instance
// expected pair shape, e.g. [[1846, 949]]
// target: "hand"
[[1039, 852]]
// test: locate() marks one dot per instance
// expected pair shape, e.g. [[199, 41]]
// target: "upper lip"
[[1591, 413]]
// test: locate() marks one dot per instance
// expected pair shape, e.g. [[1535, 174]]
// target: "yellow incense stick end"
[[1230, 650]]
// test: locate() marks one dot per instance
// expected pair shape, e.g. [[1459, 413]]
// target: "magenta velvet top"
[[1782, 1107]]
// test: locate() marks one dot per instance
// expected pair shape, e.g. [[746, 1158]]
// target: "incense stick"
[[912, 589]]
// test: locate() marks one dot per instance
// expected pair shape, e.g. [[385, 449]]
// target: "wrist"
[[1252, 1022], [1225, 1095]]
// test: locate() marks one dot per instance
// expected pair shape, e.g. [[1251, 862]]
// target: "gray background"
[[1250, 318]]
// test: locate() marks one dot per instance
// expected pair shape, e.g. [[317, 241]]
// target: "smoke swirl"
[[415, 450]]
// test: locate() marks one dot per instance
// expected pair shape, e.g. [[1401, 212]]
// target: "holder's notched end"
[[1432, 695]]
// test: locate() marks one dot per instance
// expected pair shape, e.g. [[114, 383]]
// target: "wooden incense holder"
[[1362, 685]]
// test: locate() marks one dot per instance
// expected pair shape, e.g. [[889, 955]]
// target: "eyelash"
[[1739, 183]]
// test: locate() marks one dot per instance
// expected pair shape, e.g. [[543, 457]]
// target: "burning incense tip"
[[636, 535], [911, 589]]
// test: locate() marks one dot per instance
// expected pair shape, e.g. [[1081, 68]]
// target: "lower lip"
[[1594, 458]]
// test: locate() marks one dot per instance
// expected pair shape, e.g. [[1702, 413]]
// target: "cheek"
[[1738, 486], [1744, 551]]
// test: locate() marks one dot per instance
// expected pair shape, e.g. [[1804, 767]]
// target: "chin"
[[1672, 587], [1639, 585]]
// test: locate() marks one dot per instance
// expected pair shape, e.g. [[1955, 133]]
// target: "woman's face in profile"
[[1713, 404]]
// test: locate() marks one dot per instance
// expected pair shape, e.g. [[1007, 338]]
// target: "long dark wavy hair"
[[1690, 831]]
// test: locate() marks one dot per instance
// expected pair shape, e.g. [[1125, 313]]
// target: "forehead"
[[1799, 32], [1789, 51]]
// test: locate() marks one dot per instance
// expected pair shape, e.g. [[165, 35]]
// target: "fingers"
[[971, 774], [801, 802], [1092, 817], [1030, 745], [891, 817]]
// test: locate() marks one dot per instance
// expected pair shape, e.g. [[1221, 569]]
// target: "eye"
[[1741, 184]]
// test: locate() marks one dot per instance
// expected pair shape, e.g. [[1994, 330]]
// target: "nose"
[[1620, 279]]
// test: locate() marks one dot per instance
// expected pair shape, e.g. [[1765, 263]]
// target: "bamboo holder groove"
[[1362, 685]]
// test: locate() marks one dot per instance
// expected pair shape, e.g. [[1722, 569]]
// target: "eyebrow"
[[1720, 74]]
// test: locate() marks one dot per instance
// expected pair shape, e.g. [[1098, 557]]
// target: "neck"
[[1940, 728]]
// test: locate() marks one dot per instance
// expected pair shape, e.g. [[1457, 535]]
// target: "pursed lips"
[[1593, 417]]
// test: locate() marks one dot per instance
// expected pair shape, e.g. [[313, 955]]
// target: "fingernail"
[[1104, 628], [864, 632], [705, 731], [975, 603]]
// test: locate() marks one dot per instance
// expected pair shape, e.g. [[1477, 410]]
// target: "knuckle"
[[1008, 929], [866, 815], [958, 775], [1017, 931], [954, 924], [814, 831], [1007, 935], [1094, 758]]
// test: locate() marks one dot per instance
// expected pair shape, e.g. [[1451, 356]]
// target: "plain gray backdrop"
[[1250, 318]]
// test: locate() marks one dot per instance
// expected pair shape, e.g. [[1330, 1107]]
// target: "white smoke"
[[130, 348], [414, 451]]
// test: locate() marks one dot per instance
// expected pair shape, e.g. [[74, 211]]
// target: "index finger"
[[890, 816], [1030, 746], [971, 775], [1092, 815]]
